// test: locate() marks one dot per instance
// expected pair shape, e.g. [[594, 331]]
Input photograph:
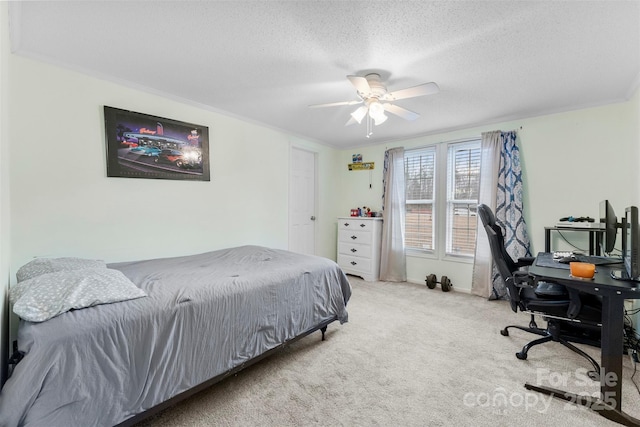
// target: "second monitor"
[[608, 217], [630, 242]]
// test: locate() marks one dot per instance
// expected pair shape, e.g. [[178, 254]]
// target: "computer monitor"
[[631, 242], [630, 247], [608, 217]]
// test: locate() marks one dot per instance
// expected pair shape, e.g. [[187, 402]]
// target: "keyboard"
[[597, 260]]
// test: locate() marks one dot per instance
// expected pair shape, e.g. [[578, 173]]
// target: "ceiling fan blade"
[[361, 84], [335, 104], [411, 92], [402, 112]]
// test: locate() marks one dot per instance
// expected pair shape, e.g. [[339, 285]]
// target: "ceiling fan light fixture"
[[380, 119], [359, 114], [376, 111]]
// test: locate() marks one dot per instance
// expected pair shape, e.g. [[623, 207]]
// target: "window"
[[463, 186], [419, 172], [450, 194]]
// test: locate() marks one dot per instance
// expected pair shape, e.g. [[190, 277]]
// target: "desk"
[[595, 235], [613, 293]]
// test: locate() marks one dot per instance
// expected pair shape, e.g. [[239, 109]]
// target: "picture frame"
[[144, 146]]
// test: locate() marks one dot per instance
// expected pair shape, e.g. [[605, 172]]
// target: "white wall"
[[635, 117], [571, 161], [61, 202], [5, 229], [592, 153]]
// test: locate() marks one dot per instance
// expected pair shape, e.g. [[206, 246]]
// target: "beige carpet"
[[409, 356]]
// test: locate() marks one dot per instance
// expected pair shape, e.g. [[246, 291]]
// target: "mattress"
[[204, 315]]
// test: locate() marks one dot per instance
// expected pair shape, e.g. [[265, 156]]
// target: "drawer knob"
[[354, 237], [363, 225], [346, 224], [353, 263], [354, 250]]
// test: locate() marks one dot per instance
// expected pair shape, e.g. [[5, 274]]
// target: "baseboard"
[[453, 286]]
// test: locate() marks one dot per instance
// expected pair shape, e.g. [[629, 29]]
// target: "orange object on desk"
[[582, 269]]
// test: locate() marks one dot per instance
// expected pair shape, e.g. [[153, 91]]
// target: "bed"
[[203, 317]]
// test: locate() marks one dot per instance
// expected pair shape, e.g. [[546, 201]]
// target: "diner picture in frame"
[[144, 146]]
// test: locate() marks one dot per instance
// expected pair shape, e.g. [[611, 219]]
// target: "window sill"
[[421, 254], [464, 259]]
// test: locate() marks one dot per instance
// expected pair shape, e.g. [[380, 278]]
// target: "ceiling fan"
[[373, 94]]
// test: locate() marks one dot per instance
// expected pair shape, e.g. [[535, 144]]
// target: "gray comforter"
[[204, 314]]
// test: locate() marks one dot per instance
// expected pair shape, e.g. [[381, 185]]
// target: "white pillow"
[[41, 266], [48, 295]]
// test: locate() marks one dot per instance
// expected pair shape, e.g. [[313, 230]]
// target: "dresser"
[[359, 240]]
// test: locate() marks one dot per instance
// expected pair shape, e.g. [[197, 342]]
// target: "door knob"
[[313, 218]]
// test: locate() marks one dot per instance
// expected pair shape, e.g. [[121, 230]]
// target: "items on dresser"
[[359, 240], [364, 211]]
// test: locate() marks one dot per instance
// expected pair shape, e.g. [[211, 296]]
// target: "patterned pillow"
[[48, 295], [40, 266]]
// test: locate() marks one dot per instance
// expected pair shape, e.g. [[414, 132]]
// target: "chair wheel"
[[522, 356], [504, 333]]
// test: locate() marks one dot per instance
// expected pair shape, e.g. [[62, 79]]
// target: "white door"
[[302, 201]]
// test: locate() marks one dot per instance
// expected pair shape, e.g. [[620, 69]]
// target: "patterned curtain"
[[509, 210], [501, 160]]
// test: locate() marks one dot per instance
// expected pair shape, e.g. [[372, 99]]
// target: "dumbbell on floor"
[[445, 283]]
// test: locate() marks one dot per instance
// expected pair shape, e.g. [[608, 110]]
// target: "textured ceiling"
[[266, 61]]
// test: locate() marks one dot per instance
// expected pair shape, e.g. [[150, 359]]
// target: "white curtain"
[[481, 283], [393, 263]]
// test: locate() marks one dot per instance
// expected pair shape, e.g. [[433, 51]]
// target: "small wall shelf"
[[361, 166]]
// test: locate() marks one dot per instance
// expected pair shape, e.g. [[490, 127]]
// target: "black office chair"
[[571, 316]]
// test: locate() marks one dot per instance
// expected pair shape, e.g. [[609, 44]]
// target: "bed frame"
[[207, 384]]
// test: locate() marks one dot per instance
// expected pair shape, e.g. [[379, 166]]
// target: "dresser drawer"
[[354, 249], [354, 263], [354, 236], [355, 224]]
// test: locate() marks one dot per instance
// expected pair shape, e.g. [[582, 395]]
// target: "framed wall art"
[[144, 146]]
